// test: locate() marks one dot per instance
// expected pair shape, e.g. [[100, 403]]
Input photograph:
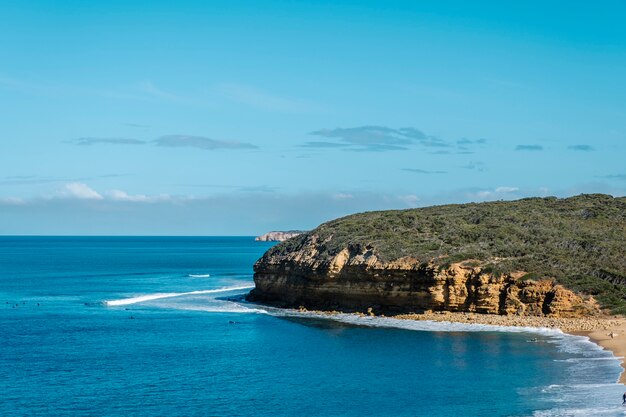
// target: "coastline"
[[608, 332], [616, 344]]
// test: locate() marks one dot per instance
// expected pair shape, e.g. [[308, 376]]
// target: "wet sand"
[[612, 338]]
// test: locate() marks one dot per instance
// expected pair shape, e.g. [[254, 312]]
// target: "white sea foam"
[[574, 360], [199, 275], [157, 296], [591, 411], [419, 325], [226, 307]]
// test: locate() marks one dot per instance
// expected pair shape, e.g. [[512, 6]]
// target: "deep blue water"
[[153, 352]]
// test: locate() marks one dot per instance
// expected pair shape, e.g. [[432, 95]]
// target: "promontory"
[[531, 257], [278, 236]]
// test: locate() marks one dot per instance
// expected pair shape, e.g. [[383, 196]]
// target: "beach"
[[613, 338]]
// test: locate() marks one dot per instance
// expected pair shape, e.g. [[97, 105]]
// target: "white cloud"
[[80, 191], [506, 189], [411, 199], [119, 195], [497, 193], [342, 196], [200, 142]]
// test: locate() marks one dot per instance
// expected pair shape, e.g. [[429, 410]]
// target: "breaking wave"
[[158, 296]]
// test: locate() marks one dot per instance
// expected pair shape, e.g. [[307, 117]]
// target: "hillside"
[[577, 242]]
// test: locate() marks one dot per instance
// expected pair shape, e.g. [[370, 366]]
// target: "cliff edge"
[[278, 236], [531, 257]]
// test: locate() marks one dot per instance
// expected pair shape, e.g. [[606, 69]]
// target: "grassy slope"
[[579, 241]]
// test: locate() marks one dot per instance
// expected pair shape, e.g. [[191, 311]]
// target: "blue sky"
[[213, 118]]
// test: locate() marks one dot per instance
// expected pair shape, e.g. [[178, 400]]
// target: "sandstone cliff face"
[[355, 279]]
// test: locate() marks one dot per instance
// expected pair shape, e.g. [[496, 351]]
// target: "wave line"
[[157, 296]]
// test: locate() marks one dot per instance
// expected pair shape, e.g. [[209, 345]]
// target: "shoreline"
[[615, 343], [608, 332]]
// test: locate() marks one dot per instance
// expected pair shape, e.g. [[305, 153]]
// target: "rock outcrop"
[[277, 236], [356, 279]]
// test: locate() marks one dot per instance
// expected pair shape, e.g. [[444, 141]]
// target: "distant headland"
[[278, 236]]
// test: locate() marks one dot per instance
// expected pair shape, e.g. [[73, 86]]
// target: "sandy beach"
[[612, 338]]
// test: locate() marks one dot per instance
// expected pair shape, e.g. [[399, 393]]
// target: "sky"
[[235, 118]]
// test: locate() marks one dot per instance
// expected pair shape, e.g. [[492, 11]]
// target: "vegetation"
[[579, 241]]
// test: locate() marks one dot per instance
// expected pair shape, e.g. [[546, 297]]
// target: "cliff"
[[277, 236], [536, 257]]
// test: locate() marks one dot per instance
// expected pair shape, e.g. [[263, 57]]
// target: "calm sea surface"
[[152, 326]]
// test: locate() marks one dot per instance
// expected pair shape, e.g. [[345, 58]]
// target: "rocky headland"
[[278, 236], [529, 262], [533, 257]]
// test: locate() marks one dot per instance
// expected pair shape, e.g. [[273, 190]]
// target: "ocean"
[[157, 326]]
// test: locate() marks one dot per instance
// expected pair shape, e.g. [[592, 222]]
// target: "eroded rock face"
[[355, 279]]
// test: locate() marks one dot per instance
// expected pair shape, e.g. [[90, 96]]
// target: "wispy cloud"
[[583, 148], [149, 88], [343, 196], [322, 145], [621, 177], [477, 166], [35, 179], [423, 171], [28, 180], [466, 141], [111, 141], [256, 188], [529, 148], [200, 142], [376, 139], [238, 188], [263, 100], [179, 141]]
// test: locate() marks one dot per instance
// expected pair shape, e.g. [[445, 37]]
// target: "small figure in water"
[[624, 399]]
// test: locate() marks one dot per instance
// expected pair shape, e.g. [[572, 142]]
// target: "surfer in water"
[[624, 399]]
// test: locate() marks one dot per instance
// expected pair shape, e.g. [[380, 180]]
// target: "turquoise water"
[[134, 326]]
